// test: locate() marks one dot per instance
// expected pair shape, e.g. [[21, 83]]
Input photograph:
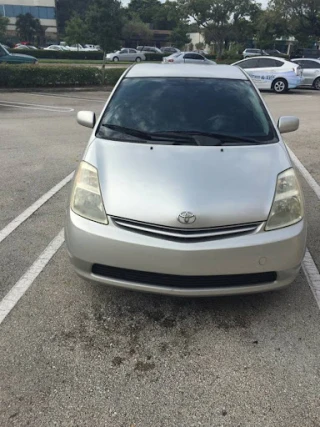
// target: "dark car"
[[13, 58], [306, 53]]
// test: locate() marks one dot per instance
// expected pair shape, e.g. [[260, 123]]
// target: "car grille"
[[174, 281], [186, 234]]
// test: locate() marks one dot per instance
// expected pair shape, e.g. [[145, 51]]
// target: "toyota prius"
[[186, 187]]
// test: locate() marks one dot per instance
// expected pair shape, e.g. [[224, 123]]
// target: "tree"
[[302, 17], [28, 27], [3, 25], [134, 28], [104, 22], [218, 18], [76, 30], [269, 26], [179, 36], [145, 9], [66, 9]]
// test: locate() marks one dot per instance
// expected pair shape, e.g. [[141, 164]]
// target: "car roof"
[[186, 70], [266, 57]]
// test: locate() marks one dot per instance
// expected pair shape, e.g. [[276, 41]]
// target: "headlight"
[[86, 197], [287, 208]]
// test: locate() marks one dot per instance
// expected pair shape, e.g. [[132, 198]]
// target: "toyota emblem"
[[187, 218]]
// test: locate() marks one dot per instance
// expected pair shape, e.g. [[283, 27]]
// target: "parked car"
[[248, 53], [187, 58], [275, 52], [56, 47], [306, 53], [310, 71], [25, 47], [92, 47], [186, 187], [272, 73], [126, 55], [13, 58], [169, 49], [148, 49]]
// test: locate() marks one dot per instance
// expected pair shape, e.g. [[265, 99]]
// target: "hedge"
[[58, 54], [25, 76]]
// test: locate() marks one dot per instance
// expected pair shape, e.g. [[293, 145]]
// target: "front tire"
[[138, 59], [316, 83], [280, 86], [115, 59]]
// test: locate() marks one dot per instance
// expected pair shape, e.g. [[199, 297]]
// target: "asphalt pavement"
[[74, 353]]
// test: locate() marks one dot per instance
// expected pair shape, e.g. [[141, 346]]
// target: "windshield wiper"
[[176, 138], [220, 138]]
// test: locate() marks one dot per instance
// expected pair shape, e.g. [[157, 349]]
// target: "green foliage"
[[76, 30], [179, 36], [145, 9], [134, 28], [104, 20], [3, 26], [66, 9], [155, 56], [23, 76], [28, 28], [58, 54]]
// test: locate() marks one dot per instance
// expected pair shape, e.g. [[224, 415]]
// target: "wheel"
[[138, 59], [115, 59], [280, 86], [316, 83]]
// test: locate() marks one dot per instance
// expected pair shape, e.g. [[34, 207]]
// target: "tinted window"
[[269, 63], [193, 56], [132, 51], [186, 104], [310, 64], [249, 63]]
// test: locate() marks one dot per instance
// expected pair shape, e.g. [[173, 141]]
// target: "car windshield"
[[5, 50], [186, 106]]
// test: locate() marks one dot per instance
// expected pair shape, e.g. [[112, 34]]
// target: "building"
[[44, 10]]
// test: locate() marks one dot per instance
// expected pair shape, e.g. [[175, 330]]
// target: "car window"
[[124, 51], [248, 63], [225, 106], [268, 63], [193, 56], [132, 51], [310, 64]]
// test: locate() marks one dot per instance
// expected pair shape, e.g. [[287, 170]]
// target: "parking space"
[[78, 354]]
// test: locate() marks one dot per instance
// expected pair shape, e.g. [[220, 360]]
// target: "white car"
[[310, 71], [126, 55], [272, 73], [56, 47], [187, 58]]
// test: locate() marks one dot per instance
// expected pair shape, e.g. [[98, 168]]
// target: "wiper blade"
[[221, 138], [177, 138]]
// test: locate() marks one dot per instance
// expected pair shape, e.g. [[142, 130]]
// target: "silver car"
[[187, 58], [248, 53], [126, 55], [186, 187], [310, 71]]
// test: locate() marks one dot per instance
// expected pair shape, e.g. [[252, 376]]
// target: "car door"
[[268, 69], [124, 55], [193, 58], [251, 67], [310, 71], [132, 55]]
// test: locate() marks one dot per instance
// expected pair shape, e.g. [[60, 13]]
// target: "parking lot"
[[79, 354]]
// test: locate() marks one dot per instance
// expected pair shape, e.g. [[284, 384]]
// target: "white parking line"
[[24, 283], [69, 97], [34, 207], [27, 106]]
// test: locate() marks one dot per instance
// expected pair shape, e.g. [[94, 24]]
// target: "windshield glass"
[[217, 106]]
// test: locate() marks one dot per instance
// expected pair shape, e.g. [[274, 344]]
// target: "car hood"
[[155, 183], [21, 55]]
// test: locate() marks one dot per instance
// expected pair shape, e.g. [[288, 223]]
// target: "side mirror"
[[86, 118], [288, 124]]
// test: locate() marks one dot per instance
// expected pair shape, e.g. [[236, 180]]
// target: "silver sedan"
[[126, 55], [187, 58], [186, 187], [310, 71]]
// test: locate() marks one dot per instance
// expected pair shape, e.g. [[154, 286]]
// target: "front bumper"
[[279, 251]]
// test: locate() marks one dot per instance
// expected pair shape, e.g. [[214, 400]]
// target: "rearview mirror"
[[86, 118], [288, 124]]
